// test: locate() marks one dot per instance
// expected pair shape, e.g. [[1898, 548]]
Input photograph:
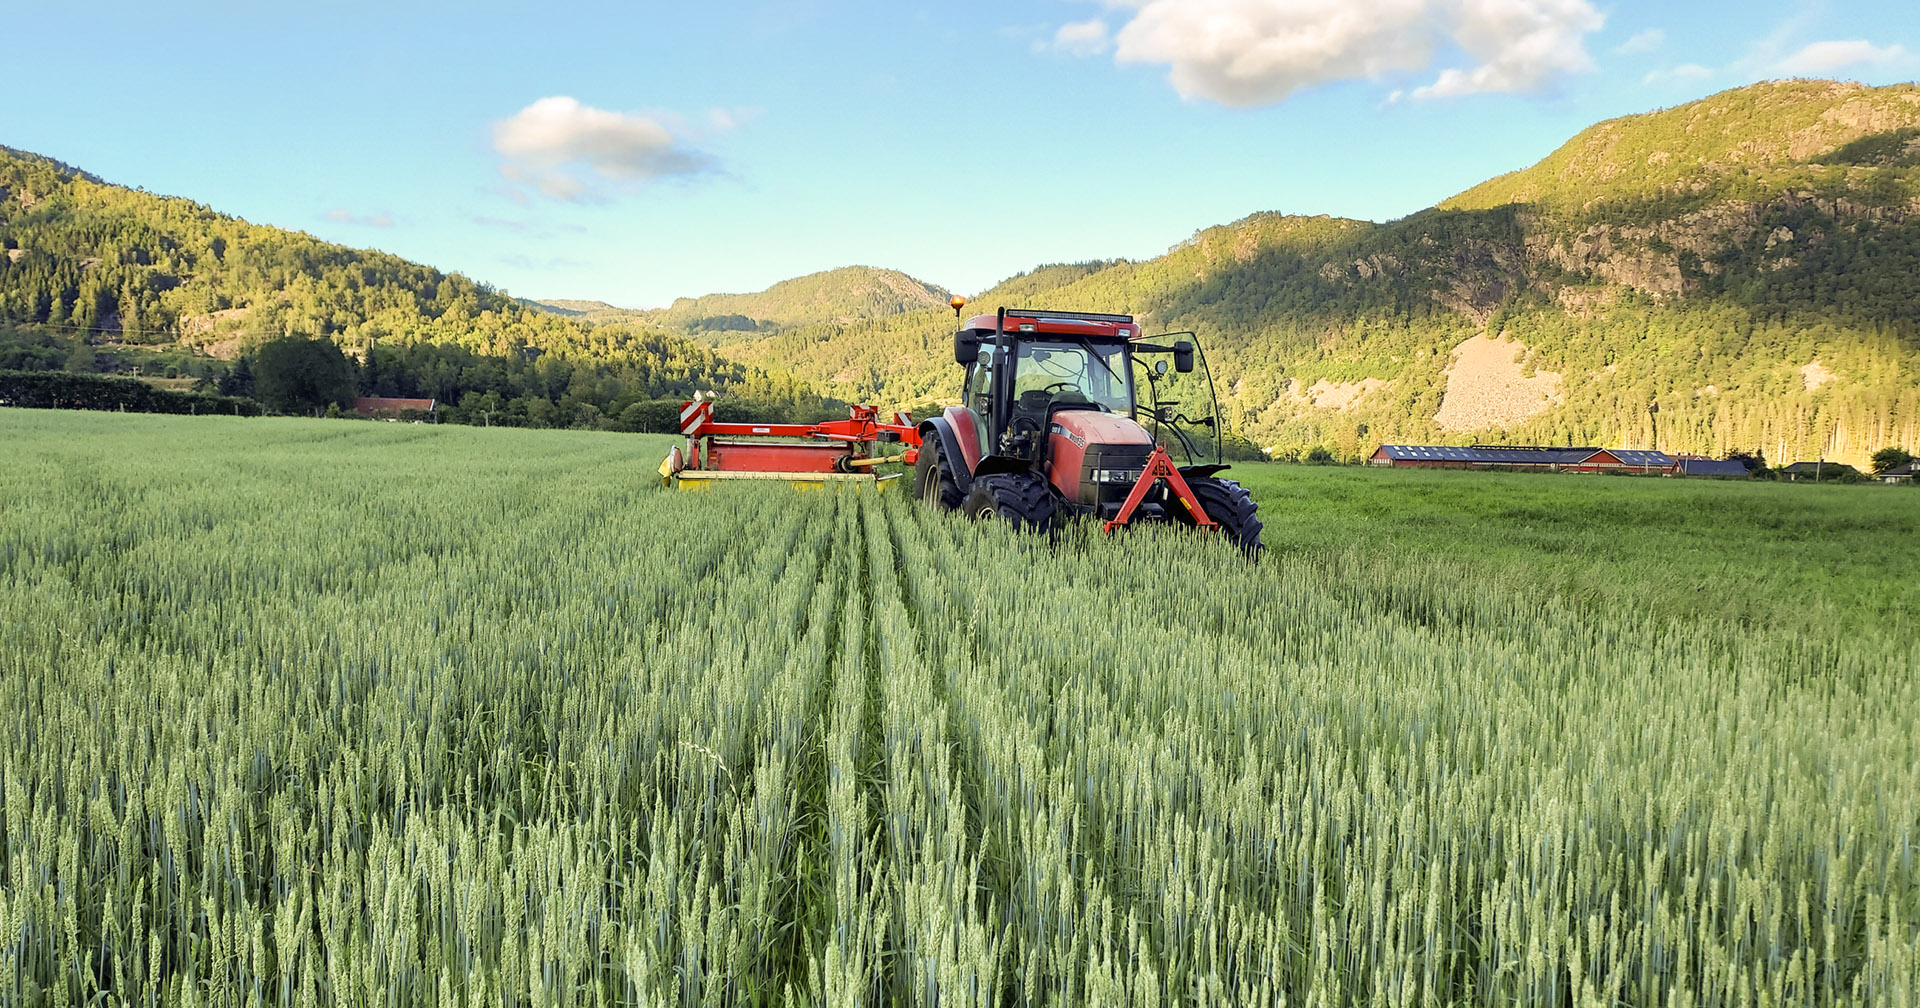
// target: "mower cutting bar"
[[790, 457], [835, 451]]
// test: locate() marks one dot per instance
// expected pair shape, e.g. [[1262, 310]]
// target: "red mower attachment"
[[1160, 468], [809, 456]]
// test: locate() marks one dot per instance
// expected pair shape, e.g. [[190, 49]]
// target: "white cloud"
[[1823, 58], [1647, 41], [1522, 45], [530, 264], [1684, 73], [379, 220], [1083, 38], [726, 120], [1259, 52], [536, 231], [571, 151]]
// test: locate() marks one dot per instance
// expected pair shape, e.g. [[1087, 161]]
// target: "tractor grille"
[[1108, 472]]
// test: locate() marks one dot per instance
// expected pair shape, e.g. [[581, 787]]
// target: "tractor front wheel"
[[1021, 498], [1229, 504], [933, 482]]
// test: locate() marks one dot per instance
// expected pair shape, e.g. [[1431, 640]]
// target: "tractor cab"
[[1024, 368], [1079, 413], [1023, 372]]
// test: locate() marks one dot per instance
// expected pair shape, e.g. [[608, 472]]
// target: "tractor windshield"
[[1177, 407], [1076, 373]]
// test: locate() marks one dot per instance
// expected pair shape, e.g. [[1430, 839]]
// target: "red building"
[[390, 408]]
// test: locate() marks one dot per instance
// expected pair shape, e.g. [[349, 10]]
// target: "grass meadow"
[[340, 713]]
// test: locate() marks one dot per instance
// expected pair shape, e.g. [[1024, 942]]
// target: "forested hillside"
[[1748, 264], [93, 274]]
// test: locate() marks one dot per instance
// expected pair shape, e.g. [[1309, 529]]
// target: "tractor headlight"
[[1116, 475]]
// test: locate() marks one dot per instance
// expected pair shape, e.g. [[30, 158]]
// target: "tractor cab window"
[[980, 382], [1081, 373]]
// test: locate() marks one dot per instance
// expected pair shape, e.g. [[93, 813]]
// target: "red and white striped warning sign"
[[695, 415]]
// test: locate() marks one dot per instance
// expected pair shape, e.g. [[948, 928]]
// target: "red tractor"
[[1077, 413]]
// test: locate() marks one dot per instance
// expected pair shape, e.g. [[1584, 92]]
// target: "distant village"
[[1618, 461]]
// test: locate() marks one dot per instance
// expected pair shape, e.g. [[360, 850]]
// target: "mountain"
[[84, 263], [1736, 274], [1739, 273], [843, 295], [1693, 152]]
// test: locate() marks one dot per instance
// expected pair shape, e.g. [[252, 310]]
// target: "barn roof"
[[1639, 457], [1523, 455], [1487, 454], [1711, 467]]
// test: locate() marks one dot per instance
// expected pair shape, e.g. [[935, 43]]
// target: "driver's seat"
[[1034, 401]]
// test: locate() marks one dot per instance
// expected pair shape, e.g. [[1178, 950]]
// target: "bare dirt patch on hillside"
[[1334, 395], [216, 334], [1815, 375], [1487, 386]]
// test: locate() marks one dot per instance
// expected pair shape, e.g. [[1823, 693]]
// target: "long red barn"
[[389, 406]]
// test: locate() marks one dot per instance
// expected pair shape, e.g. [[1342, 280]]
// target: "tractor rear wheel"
[[1022, 498], [1229, 504], [933, 482]]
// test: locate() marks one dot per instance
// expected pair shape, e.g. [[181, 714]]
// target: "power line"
[[89, 329]]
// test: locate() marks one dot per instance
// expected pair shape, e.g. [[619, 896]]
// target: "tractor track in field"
[[837, 858], [873, 766], [994, 890]]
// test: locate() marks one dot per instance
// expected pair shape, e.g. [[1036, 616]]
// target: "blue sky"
[[636, 152]]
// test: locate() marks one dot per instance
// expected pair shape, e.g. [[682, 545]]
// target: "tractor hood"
[[1081, 428], [1092, 454]]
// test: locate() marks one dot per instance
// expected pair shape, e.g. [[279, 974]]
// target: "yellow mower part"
[[703, 479]]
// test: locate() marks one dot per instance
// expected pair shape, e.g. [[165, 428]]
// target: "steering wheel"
[[1080, 399]]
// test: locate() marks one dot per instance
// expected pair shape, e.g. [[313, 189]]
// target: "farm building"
[[1478, 457], [1903, 473], [1624, 460], [1722, 468], [388, 407], [1524, 458]]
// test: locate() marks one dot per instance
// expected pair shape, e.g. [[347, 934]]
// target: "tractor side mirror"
[[1182, 356], [966, 348]]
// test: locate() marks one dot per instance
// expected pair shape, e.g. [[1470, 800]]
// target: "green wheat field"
[[338, 713]]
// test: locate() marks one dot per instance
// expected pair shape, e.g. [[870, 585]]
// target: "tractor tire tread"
[[930, 465], [1229, 504], [1022, 498]]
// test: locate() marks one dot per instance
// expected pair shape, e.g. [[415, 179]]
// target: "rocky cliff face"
[[1668, 257]]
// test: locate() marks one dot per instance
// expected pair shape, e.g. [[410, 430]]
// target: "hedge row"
[[69, 390]]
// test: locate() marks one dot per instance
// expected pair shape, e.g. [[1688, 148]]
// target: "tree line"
[[306, 376]]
